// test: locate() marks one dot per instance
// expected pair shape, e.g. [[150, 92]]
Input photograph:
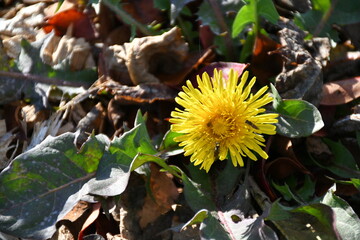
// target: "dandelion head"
[[222, 118]]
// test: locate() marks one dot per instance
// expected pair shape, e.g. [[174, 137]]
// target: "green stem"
[[113, 5], [325, 18], [256, 17]]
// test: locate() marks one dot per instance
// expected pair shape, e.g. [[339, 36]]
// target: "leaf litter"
[[87, 90]]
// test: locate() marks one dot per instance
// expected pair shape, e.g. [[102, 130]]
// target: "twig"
[[223, 27], [40, 79]]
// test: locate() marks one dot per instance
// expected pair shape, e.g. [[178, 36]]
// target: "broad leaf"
[[114, 169], [347, 222], [199, 217], [197, 190], [305, 222], [325, 13], [297, 118], [208, 17], [251, 12], [223, 222], [342, 163], [42, 185]]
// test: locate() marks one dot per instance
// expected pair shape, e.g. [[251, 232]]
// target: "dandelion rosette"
[[222, 118]]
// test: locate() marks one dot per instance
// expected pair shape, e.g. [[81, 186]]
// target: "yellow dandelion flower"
[[222, 117]]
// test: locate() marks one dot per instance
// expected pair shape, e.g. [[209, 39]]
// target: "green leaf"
[[251, 12], [267, 10], [290, 190], [342, 163], [197, 191], [305, 222], [325, 13], [197, 218], [355, 182], [208, 17], [297, 118], [211, 228], [162, 4], [245, 16], [42, 185], [347, 222], [168, 146], [223, 222], [227, 179], [176, 7], [115, 167], [141, 159], [29, 62]]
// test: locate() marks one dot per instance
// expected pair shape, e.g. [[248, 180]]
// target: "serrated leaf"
[[115, 167], [56, 175], [42, 185], [347, 222]]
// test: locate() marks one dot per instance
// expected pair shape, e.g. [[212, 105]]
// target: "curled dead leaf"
[[301, 76], [145, 58]]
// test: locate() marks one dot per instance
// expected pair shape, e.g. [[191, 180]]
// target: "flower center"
[[221, 127]]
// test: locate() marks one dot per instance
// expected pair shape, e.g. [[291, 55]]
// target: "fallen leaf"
[[341, 92], [90, 220], [164, 193], [77, 211], [144, 59], [265, 61], [62, 20]]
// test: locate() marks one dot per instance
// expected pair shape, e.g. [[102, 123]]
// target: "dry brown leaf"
[[25, 21], [77, 51], [263, 52], [301, 76], [145, 58], [341, 92], [90, 220], [164, 194], [61, 21], [77, 211]]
